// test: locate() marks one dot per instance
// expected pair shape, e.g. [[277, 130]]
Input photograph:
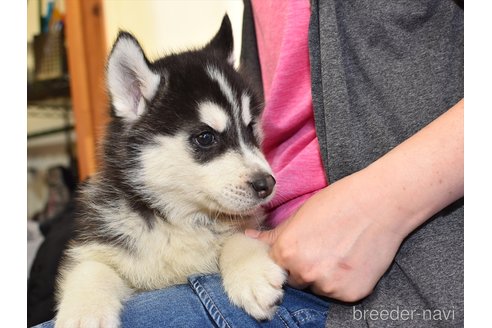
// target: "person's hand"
[[334, 244], [342, 240]]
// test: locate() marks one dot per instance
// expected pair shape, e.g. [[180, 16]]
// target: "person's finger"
[[318, 289], [296, 282], [268, 236]]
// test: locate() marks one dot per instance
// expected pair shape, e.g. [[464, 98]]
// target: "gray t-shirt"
[[381, 71]]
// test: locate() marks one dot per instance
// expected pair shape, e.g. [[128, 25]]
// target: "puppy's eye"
[[205, 139]]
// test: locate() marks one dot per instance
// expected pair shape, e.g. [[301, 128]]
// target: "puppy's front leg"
[[91, 295], [251, 279]]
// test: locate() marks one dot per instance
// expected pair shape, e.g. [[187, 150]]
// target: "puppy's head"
[[185, 130]]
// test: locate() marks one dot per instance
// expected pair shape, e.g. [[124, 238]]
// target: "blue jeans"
[[203, 303]]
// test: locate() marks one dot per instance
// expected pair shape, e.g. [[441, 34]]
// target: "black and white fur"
[[182, 177]]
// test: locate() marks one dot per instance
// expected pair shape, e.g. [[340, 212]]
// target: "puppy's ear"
[[131, 83], [223, 43]]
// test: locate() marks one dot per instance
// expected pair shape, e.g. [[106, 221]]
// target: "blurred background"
[[67, 45]]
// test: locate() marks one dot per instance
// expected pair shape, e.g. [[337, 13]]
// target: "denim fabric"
[[298, 309], [203, 303]]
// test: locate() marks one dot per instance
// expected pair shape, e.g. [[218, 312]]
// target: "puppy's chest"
[[167, 255]]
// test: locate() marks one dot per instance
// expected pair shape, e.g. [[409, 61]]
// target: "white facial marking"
[[252, 156], [246, 113], [213, 115], [224, 86], [255, 158]]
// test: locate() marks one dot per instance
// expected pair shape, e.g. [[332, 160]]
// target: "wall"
[[172, 25]]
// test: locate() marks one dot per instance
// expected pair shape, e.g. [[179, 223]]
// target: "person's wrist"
[[383, 202]]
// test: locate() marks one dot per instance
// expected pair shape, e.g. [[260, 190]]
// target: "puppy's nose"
[[263, 185]]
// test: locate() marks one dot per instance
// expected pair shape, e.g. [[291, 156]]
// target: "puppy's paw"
[[87, 316], [256, 286], [262, 292], [91, 295]]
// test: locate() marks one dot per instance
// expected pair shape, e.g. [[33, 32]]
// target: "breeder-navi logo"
[[397, 314]]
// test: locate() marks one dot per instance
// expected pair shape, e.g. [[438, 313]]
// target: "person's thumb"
[[268, 236]]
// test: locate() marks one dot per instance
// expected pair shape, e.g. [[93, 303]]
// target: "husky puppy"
[[182, 177]]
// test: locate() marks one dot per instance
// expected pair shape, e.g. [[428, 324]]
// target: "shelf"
[[48, 89], [50, 132]]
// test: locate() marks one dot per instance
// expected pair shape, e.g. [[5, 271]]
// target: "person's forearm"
[[419, 177]]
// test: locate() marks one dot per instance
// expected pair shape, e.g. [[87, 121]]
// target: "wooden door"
[[86, 51]]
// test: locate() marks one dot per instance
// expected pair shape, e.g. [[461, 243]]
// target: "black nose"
[[263, 185]]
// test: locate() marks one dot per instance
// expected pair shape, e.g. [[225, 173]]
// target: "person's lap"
[[203, 303]]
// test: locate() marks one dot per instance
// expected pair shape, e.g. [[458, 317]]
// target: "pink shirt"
[[291, 146]]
